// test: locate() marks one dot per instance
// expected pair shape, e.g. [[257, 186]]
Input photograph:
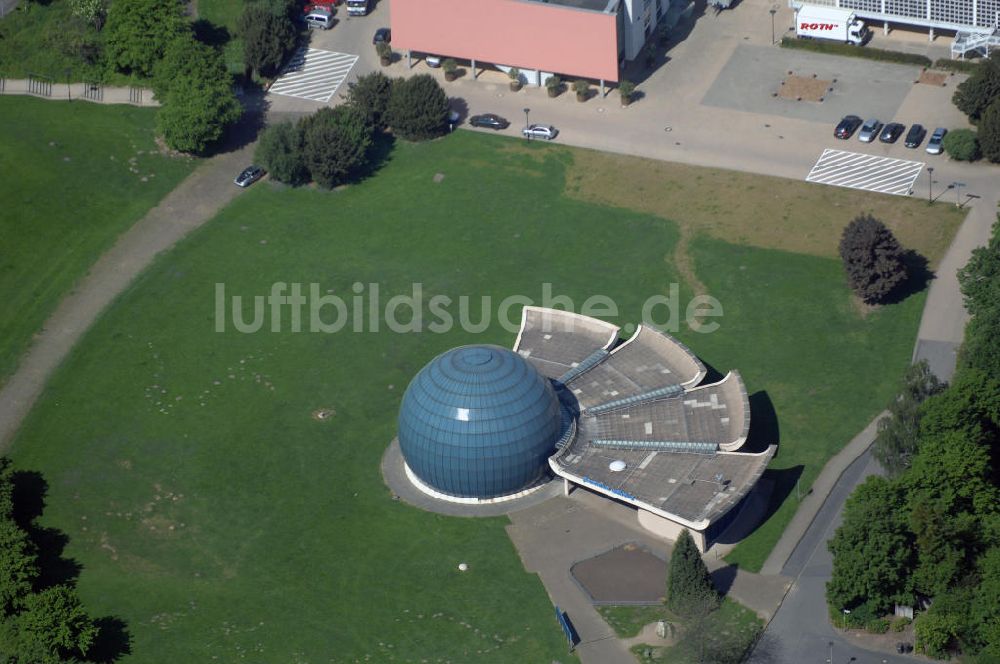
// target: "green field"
[[219, 519], [731, 618], [45, 39], [76, 175]]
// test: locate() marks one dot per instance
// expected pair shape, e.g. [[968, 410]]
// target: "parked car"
[[915, 136], [847, 126], [319, 19], [382, 35], [489, 121], [548, 132], [937, 138], [320, 4], [869, 130], [248, 176], [433, 61], [891, 132]]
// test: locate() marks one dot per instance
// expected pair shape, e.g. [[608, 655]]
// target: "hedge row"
[[834, 48], [964, 66]]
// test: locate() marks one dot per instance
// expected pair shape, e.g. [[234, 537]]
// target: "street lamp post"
[[526, 123], [958, 198], [930, 184], [772, 11], [830, 643], [68, 85], [846, 611]]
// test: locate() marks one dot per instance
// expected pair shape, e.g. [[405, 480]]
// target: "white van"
[[319, 20]]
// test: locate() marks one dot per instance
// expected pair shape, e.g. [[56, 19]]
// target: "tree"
[[94, 12], [280, 151], [55, 622], [709, 637], [962, 145], [974, 95], [418, 108], [18, 566], [138, 32], [688, 581], [989, 131], [899, 432], [971, 406], [873, 259], [984, 610], [935, 633], [269, 35], [980, 283], [198, 103], [871, 550], [370, 95], [336, 141]]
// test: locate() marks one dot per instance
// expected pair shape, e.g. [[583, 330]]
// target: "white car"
[[433, 61], [869, 130], [934, 146], [548, 132]]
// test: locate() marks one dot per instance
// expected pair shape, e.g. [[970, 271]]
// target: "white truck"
[[830, 23], [357, 7]]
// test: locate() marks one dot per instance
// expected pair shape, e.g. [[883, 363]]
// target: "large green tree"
[[980, 282], [336, 143], [975, 94], [370, 94], [196, 92], [138, 32], [873, 259], [899, 432], [989, 131], [418, 108], [689, 585], [872, 550], [269, 34]]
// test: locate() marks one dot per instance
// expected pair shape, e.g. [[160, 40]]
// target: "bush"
[[877, 626], [269, 35], [625, 89], [280, 151], [962, 145], [989, 131], [581, 88], [515, 78], [964, 66], [935, 633], [873, 259], [900, 624], [832, 48], [336, 141], [384, 52], [554, 85], [418, 108], [94, 12], [138, 33], [370, 95], [450, 68]]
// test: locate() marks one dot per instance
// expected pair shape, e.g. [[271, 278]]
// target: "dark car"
[[249, 175], [847, 127], [915, 136], [891, 132], [382, 35], [489, 121]]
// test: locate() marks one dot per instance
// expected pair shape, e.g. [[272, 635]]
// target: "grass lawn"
[[219, 519], [76, 175], [628, 621], [226, 14], [732, 618]]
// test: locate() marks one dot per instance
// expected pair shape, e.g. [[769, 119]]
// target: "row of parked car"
[[889, 133]]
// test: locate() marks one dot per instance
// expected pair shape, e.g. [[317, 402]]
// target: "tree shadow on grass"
[[379, 154], [918, 278], [30, 489], [112, 643], [210, 34]]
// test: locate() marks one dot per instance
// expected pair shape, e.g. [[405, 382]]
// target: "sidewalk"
[[99, 94]]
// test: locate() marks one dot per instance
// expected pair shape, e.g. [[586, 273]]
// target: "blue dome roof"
[[479, 422]]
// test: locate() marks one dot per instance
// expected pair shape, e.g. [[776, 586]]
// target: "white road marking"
[[865, 171], [313, 74]]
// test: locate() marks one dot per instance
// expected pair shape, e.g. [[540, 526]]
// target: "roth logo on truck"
[[818, 26]]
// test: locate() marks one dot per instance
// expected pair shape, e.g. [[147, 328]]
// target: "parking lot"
[[864, 171], [314, 74]]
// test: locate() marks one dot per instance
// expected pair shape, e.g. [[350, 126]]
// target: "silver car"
[[869, 130], [548, 132], [937, 138]]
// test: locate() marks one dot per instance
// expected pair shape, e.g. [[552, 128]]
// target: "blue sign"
[[617, 492], [567, 628]]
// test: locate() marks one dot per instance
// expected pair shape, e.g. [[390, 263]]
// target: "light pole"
[[958, 199], [846, 611], [830, 643], [526, 123], [772, 11], [930, 184], [68, 85]]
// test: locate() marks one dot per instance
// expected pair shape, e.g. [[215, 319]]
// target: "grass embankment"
[[76, 175], [218, 518]]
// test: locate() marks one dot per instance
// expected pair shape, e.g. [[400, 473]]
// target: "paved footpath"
[[76, 91]]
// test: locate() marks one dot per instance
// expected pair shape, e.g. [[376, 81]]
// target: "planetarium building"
[[627, 419]]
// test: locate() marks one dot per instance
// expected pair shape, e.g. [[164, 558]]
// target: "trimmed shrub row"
[[833, 48], [963, 66]]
